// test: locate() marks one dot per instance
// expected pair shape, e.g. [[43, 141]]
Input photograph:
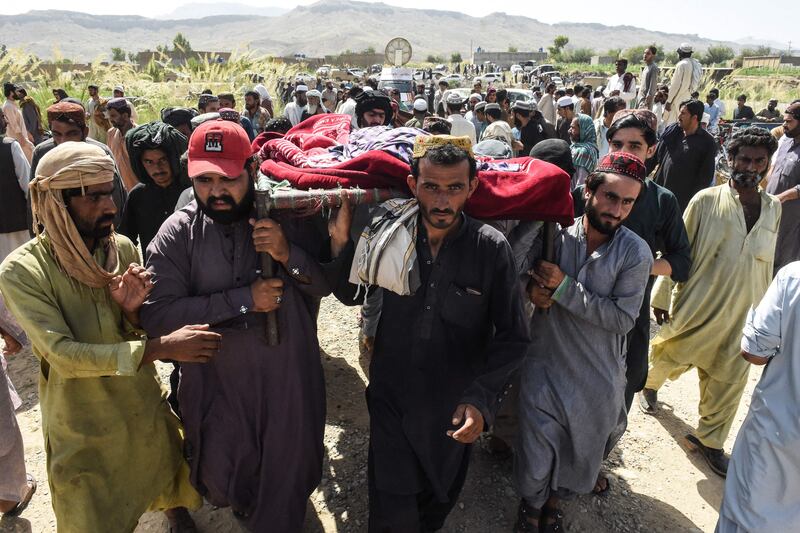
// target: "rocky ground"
[[656, 484]]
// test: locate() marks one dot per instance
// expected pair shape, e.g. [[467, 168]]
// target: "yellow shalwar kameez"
[[731, 271], [113, 444]]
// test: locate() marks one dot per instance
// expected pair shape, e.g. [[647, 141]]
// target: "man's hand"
[[662, 315], [267, 294], [339, 227], [473, 424], [788, 195], [190, 344], [615, 92], [547, 274], [668, 107], [131, 289], [268, 237], [540, 296]]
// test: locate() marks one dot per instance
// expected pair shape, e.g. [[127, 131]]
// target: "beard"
[[98, 229], [606, 228], [312, 108], [239, 211], [748, 180], [434, 217]]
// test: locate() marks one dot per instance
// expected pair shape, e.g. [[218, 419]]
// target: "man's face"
[[55, 95], [442, 191], [301, 98], [117, 119], [251, 103], [647, 56], [226, 102], [118, 94], [772, 105], [740, 102], [67, 131], [224, 199], [710, 99], [212, 107], [156, 163], [313, 101], [791, 126], [621, 68], [631, 141], [575, 130], [491, 98], [92, 92], [481, 116], [93, 212], [564, 113], [611, 203], [374, 117], [749, 166], [329, 86], [686, 119]]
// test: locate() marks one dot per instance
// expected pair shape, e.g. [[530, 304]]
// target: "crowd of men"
[[146, 248]]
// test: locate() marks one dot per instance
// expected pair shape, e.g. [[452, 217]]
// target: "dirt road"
[[655, 484]]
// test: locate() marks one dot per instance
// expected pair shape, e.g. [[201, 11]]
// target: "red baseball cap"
[[218, 146]]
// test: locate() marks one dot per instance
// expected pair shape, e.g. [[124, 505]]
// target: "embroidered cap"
[[218, 146], [624, 164], [423, 143]]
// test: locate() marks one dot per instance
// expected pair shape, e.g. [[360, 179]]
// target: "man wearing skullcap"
[[67, 122], [478, 118], [114, 448], [373, 108], [15, 123], [228, 101], [532, 126], [294, 110], [119, 113], [732, 231], [572, 381], [119, 92], [420, 111], [255, 415], [444, 350], [784, 182], [460, 126], [622, 84], [208, 103], [565, 108], [656, 218], [685, 80]]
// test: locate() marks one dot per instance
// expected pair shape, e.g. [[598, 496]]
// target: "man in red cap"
[[255, 415], [572, 382]]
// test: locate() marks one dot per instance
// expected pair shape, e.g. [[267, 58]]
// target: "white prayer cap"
[[301, 89], [314, 92], [420, 104], [475, 96], [119, 88], [686, 48], [564, 101]]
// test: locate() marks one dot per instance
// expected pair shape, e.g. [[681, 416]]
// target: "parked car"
[[453, 80], [305, 78], [529, 65], [515, 95], [516, 68], [341, 74], [323, 71], [490, 77]]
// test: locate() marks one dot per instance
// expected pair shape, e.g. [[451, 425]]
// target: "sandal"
[[557, 524], [26, 500], [525, 515]]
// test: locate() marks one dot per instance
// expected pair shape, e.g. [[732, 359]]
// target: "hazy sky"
[[716, 19]]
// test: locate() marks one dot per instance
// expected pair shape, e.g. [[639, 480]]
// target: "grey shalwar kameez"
[[254, 415], [13, 478], [572, 408]]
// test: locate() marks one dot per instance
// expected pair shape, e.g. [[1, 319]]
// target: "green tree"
[[434, 59], [558, 45], [117, 54], [634, 54], [716, 54], [671, 58], [132, 57], [455, 57], [512, 49], [369, 50], [614, 52], [162, 49], [581, 55], [180, 42]]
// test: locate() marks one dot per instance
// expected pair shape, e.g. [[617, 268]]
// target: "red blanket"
[[538, 191]]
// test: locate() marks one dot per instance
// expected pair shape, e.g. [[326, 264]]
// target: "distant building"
[[774, 62]]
